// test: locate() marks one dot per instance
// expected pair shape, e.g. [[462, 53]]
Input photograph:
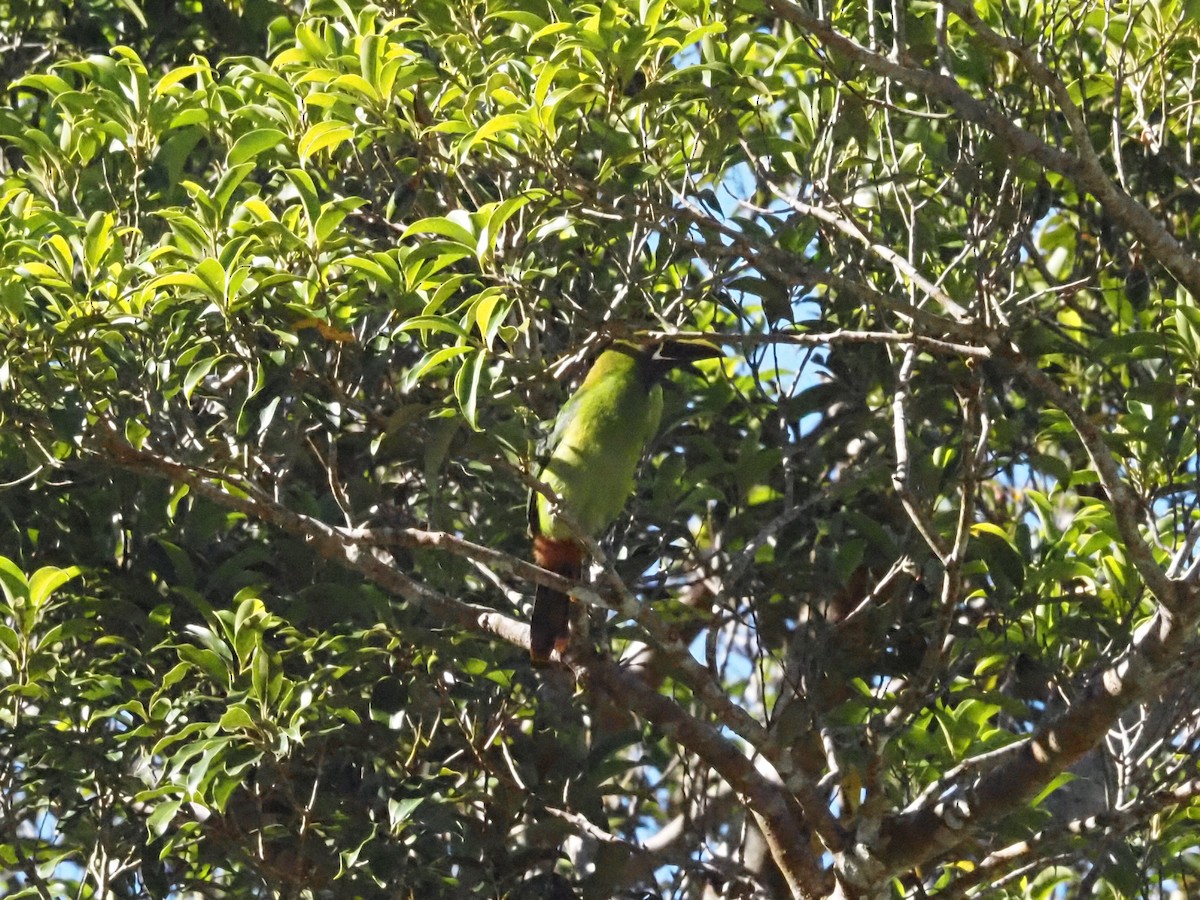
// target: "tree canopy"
[[906, 602]]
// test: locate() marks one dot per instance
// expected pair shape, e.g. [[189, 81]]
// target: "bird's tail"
[[550, 627]]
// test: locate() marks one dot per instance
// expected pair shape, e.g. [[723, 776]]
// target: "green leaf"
[[333, 214], [456, 226], [47, 82], [400, 811], [207, 661], [160, 819], [228, 184], [323, 136], [433, 360], [252, 143], [532, 21], [179, 74], [651, 13], [303, 183], [370, 266], [260, 676], [356, 84], [488, 313], [10, 642], [183, 279], [849, 557], [197, 373], [46, 580], [466, 387], [702, 32], [433, 323], [136, 433], [41, 272], [312, 42], [1055, 783], [14, 583], [97, 239], [212, 274], [237, 718], [502, 124]]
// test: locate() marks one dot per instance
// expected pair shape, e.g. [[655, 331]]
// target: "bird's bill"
[[684, 354]]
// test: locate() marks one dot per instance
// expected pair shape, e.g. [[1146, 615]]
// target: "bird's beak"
[[684, 354]]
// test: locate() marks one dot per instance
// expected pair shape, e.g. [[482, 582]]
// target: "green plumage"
[[598, 441]]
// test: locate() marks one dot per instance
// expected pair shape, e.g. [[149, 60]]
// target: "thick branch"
[[420, 539], [776, 812], [1022, 770], [1054, 843], [912, 837]]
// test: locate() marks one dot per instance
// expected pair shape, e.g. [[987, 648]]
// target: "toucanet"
[[597, 442]]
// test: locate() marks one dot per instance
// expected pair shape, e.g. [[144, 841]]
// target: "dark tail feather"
[[550, 626]]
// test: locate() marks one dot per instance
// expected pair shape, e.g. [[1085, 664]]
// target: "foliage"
[[914, 564]]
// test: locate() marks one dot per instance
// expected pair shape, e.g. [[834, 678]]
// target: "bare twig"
[[903, 267], [586, 827], [331, 543], [838, 336], [900, 475], [974, 420]]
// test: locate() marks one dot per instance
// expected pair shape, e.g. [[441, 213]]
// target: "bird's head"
[[657, 358]]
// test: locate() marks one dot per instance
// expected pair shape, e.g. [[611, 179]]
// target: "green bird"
[[597, 442]]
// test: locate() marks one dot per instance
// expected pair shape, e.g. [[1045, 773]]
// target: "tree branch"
[[1053, 843], [1086, 172], [346, 548], [838, 336], [1024, 768], [1127, 507], [331, 543], [777, 813]]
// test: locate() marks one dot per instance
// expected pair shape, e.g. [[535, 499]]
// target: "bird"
[[598, 439]]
